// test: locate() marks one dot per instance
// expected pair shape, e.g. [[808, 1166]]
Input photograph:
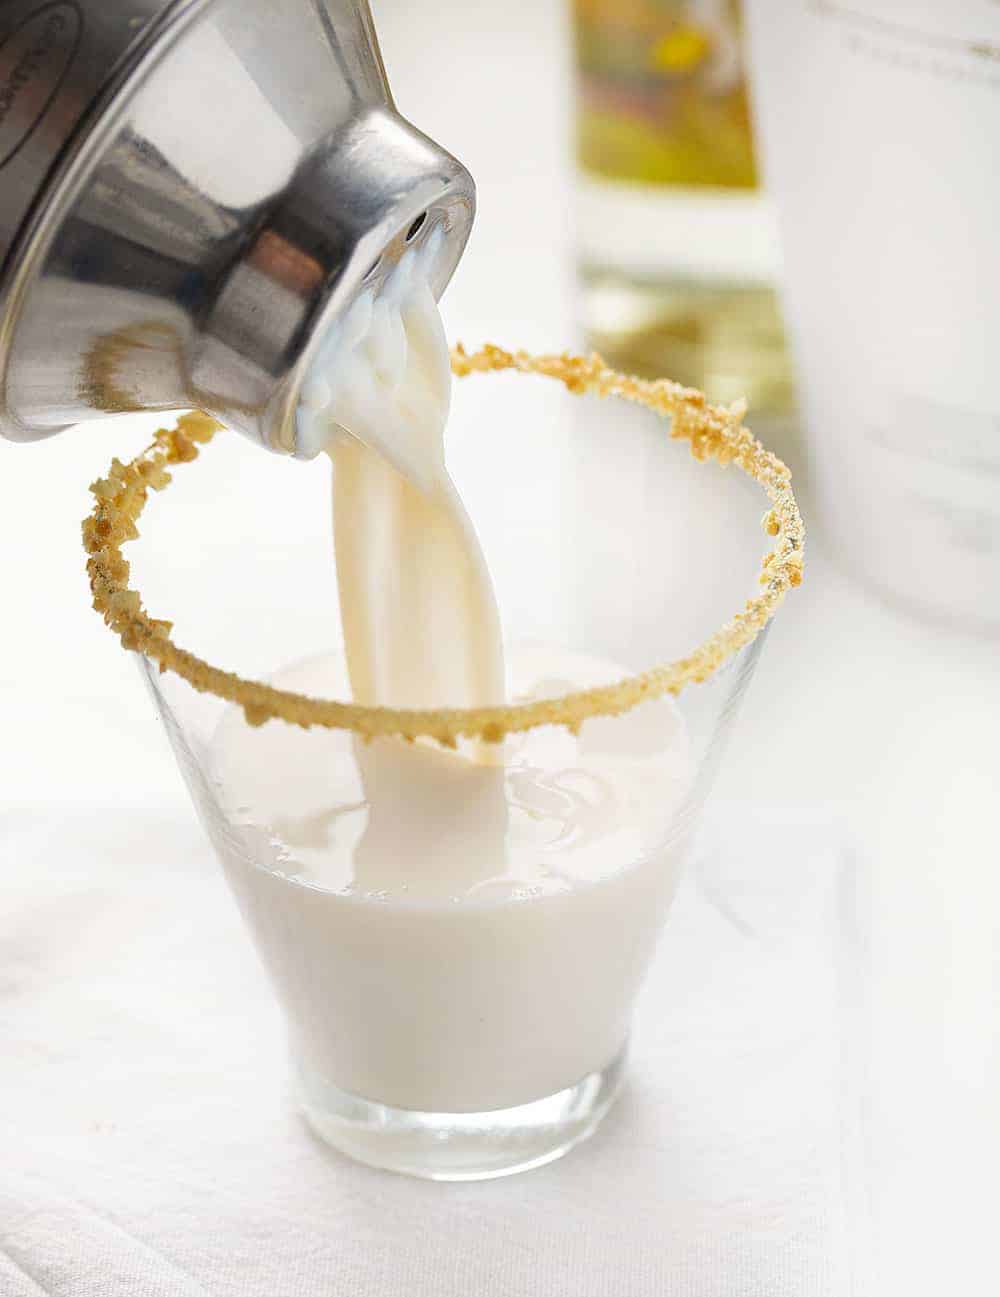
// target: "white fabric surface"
[[150, 1146]]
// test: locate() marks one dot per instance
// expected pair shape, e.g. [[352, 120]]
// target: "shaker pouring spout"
[[210, 193]]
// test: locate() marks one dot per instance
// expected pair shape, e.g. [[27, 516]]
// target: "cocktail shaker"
[[191, 191]]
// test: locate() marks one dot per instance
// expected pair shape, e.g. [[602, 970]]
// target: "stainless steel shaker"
[[190, 192]]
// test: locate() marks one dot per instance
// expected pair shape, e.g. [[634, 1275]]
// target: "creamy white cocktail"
[[451, 931], [450, 935]]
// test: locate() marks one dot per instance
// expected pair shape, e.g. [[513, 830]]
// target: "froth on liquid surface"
[[397, 822]]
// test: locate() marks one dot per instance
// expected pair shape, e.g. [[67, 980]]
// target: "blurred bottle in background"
[[880, 124], [676, 243]]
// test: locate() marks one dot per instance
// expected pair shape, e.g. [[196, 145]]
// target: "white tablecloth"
[[150, 1147]]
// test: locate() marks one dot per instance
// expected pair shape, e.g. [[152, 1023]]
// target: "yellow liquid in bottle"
[[677, 253]]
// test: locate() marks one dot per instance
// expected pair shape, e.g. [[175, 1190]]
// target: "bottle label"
[[661, 93]]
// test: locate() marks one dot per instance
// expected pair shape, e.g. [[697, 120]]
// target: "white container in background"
[[879, 122]]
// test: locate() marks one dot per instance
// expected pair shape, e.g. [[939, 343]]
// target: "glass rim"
[[714, 433]]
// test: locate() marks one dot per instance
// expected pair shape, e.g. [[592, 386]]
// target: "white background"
[[883, 723]]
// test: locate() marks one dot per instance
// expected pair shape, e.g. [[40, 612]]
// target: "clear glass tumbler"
[[477, 1024]]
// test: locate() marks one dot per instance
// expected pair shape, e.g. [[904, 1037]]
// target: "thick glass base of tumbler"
[[459, 1145]]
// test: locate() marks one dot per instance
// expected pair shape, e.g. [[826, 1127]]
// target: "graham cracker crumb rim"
[[714, 432]]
